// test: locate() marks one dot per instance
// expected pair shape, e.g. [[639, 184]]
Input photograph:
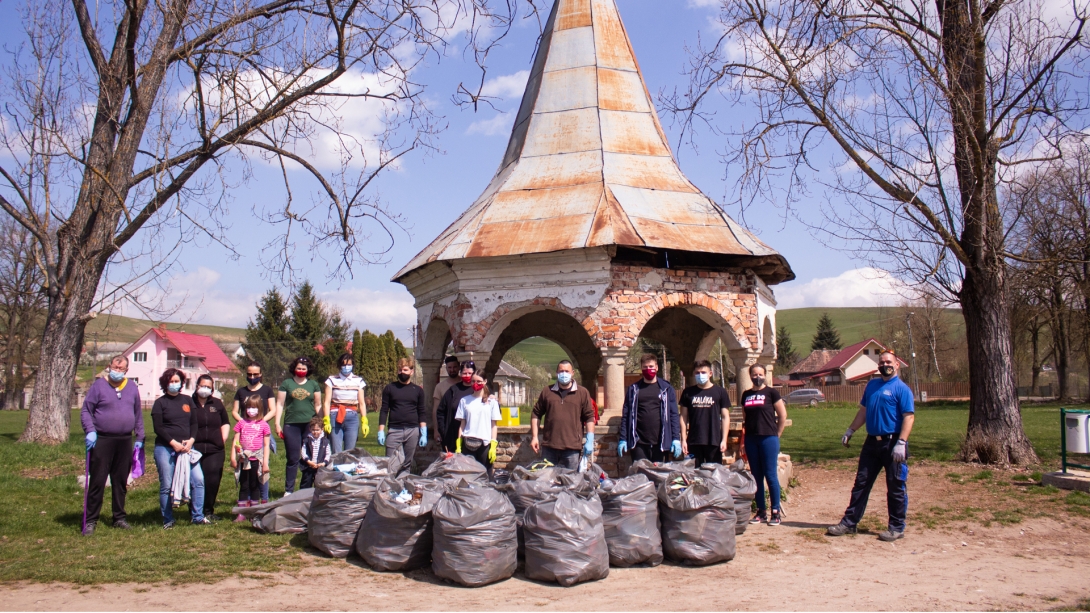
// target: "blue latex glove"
[[382, 437], [588, 444], [622, 447], [138, 445], [675, 447], [90, 440], [424, 436]]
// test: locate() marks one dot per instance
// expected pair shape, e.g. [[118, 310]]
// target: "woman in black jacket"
[[213, 429]]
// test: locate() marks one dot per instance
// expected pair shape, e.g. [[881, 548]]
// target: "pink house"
[[194, 354]]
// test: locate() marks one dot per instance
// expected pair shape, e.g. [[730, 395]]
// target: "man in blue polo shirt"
[[889, 411]]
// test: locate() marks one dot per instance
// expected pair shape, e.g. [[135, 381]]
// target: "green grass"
[[40, 515], [854, 323], [541, 352]]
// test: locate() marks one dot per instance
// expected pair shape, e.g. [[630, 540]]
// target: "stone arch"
[[768, 339], [435, 339], [703, 307], [689, 332]]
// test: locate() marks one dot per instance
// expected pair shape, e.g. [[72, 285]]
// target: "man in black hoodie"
[[447, 426], [404, 410]]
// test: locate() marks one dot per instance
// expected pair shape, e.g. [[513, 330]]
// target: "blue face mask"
[[174, 388], [702, 378], [116, 377], [346, 370], [563, 378]]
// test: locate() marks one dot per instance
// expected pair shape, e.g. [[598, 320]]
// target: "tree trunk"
[[995, 434], [1061, 342], [1035, 339]]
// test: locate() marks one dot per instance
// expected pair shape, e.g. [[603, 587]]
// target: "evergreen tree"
[[268, 341], [309, 322], [785, 350], [334, 344], [370, 365], [827, 336], [356, 347]]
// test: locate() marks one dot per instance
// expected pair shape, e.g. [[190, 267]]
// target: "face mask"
[[204, 392], [346, 370], [758, 381], [174, 388], [886, 370], [563, 378], [404, 378], [702, 378], [650, 373], [254, 379], [301, 372], [116, 377], [251, 413], [467, 379], [478, 386]]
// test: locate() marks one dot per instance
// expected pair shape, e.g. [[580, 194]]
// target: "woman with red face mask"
[[301, 399], [477, 417], [446, 424]]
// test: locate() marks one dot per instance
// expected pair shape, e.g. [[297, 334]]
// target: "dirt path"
[[1037, 564]]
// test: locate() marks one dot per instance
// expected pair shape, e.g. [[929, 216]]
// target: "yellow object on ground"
[[509, 416]]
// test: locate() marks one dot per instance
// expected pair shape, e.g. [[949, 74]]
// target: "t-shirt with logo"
[[251, 434], [760, 412], [705, 410], [173, 419], [299, 402], [887, 402]]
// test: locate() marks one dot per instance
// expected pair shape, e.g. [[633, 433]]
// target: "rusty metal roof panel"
[[588, 164]]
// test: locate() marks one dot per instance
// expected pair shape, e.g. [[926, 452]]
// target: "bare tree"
[[128, 126], [931, 105], [22, 312]]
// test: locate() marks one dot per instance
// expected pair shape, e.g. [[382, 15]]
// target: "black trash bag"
[[742, 487], [630, 515], [565, 539], [474, 536], [526, 487], [658, 473], [285, 516], [698, 520], [396, 535], [456, 467], [341, 500]]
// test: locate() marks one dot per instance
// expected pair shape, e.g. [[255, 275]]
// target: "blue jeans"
[[345, 435], [877, 455], [564, 458], [165, 458], [764, 456]]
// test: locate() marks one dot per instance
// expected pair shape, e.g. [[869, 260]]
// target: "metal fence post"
[[1063, 440]]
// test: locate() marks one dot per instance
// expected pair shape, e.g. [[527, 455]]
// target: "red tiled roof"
[[848, 353], [866, 375], [814, 362], [201, 347]]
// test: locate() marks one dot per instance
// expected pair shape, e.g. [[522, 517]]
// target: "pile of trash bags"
[[565, 538], [285, 516], [630, 515], [474, 535], [698, 519], [342, 495], [455, 467], [742, 487], [527, 486], [658, 473], [396, 533]]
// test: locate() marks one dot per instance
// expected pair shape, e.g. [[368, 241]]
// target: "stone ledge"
[[1071, 480]]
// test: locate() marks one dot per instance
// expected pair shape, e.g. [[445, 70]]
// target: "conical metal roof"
[[588, 163]]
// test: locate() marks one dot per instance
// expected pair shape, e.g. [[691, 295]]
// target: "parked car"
[[806, 396]]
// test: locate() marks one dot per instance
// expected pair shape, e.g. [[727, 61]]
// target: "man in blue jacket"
[[650, 423], [889, 412]]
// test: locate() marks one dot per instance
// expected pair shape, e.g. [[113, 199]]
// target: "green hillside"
[[541, 352], [115, 328], [854, 323]]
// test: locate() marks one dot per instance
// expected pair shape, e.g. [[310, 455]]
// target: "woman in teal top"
[[301, 399]]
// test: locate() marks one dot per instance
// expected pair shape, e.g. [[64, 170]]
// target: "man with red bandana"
[[650, 423]]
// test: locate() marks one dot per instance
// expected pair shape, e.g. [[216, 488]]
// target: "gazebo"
[[590, 235]]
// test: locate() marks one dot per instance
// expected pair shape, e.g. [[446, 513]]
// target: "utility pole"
[[912, 350]]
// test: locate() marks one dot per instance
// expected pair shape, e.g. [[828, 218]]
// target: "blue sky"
[[210, 287]]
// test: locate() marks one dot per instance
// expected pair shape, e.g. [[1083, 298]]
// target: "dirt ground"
[[1038, 563]]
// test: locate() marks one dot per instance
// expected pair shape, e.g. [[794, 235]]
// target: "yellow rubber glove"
[[365, 428], [458, 446], [326, 425], [492, 451]]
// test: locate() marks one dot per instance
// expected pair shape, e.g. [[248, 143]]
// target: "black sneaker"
[[212, 517], [889, 536], [758, 517], [122, 525], [840, 530], [776, 518], [89, 529]]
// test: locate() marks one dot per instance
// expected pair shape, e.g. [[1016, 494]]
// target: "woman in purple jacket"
[[110, 415]]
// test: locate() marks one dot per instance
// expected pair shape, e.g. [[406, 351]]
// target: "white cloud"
[[375, 310], [853, 288], [497, 126], [200, 301], [507, 86]]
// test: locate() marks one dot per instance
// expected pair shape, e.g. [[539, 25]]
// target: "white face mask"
[[251, 412], [204, 392]]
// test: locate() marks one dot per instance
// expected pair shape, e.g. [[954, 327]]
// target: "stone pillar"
[[614, 379], [743, 359], [769, 364], [429, 373]]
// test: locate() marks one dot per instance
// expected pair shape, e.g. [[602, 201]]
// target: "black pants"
[[249, 483], [648, 452], [481, 455], [212, 466], [293, 440], [877, 454], [111, 457], [308, 477], [704, 454]]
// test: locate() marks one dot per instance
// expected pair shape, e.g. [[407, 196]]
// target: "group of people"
[[316, 421]]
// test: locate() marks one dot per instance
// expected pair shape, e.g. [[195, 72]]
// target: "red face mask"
[[649, 373], [467, 379], [300, 372], [478, 386]]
